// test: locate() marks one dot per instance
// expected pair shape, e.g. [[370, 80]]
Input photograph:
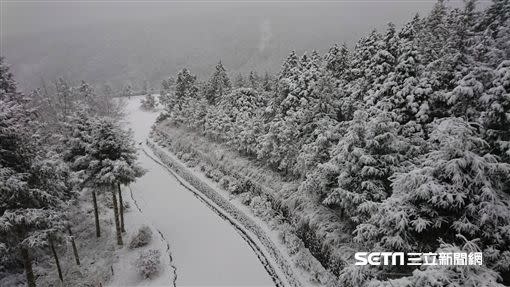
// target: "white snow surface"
[[206, 250]]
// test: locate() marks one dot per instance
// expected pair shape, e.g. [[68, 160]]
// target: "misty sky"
[[133, 41]]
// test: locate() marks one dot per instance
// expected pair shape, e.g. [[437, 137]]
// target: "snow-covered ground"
[[205, 249]]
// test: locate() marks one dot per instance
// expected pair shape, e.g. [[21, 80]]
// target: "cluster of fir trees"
[[47, 157], [406, 137]]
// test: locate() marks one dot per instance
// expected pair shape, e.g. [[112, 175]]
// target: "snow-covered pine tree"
[[217, 123], [253, 80], [464, 99], [391, 40], [167, 87], [337, 60], [244, 107], [370, 151], [113, 156], [301, 100], [495, 116], [370, 64], [64, 99], [32, 185], [400, 85], [456, 57], [288, 65], [453, 191], [267, 83], [378, 67], [148, 102], [178, 101], [75, 150], [435, 33], [218, 84], [239, 81], [186, 97], [7, 83]]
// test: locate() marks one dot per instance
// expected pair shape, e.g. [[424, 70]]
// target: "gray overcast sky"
[[133, 41]]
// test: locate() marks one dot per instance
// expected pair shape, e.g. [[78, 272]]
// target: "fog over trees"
[[130, 43]]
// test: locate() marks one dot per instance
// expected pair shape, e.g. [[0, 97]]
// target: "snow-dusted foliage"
[[148, 263], [34, 181], [218, 85], [457, 189], [112, 155], [52, 143], [142, 237], [405, 138], [56, 105], [149, 102]]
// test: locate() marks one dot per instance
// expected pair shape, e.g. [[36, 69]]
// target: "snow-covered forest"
[[55, 148], [401, 144]]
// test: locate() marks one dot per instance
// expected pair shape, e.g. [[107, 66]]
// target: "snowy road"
[[206, 249]]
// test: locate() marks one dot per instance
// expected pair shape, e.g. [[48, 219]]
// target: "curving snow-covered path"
[[206, 250]]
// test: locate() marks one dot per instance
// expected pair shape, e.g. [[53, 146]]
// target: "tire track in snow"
[[172, 266], [237, 226]]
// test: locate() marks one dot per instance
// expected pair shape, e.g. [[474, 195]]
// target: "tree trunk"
[[75, 250], [96, 214], [55, 255], [121, 206], [116, 215], [27, 262]]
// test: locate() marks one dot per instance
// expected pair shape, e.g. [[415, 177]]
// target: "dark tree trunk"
[[96, 214], [55, 255], [75, 250], [121, 206], [27, 262], [116, 215]]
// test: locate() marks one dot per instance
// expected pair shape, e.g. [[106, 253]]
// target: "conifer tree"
[[239, 81], [253, 80], [218, 85], [267, 85], [112, 163], [33, 186], [337, 61], [288, 65], [455, 189]]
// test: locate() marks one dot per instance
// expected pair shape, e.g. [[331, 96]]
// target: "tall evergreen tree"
[[33, 186], [337, 60], [218, 85], [112, 163]]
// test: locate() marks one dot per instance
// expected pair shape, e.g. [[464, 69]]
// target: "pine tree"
[[218, 85], [112, 163], [244, 107], [253, 80], [398, 91], [239, 81], [7, 82], [148, 103], [495, 115], [288, 65], [33, 184], [435, 33], [267, 85], [454, 189], [76, 143], [370, 151], [337, 61]]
